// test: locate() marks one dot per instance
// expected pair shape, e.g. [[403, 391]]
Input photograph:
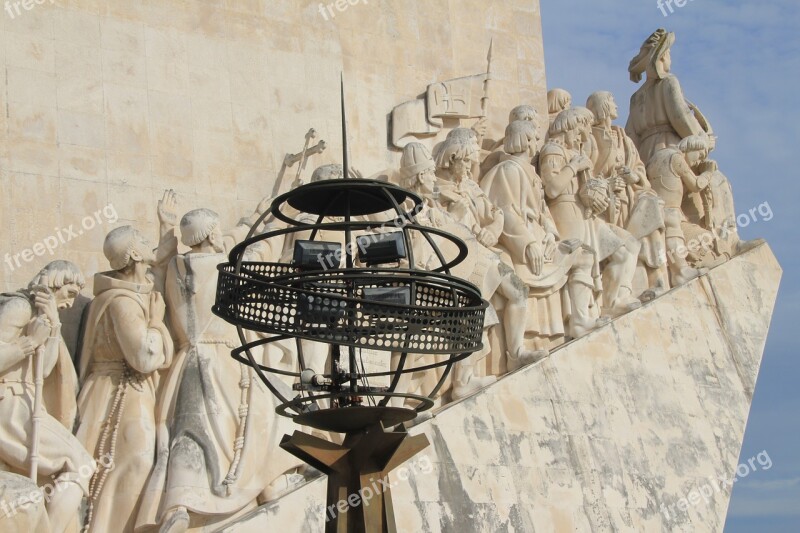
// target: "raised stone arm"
[[238, 233], [168, 236]]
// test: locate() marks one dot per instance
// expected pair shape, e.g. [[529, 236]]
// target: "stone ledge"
[[610, 432]]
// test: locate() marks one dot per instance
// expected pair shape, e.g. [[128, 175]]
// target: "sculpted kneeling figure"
[[672, 174], [30, 328], [125, 344]]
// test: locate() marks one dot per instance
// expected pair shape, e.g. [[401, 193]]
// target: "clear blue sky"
[[740, 63]]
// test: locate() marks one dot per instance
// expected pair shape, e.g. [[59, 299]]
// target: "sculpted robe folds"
[[119, 362], [218, 440], [517, 190], [468, 204], [572, 218], [59, 451], [660, 117], [640, 211]]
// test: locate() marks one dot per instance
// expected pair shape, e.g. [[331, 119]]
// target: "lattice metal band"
[[444, 315]]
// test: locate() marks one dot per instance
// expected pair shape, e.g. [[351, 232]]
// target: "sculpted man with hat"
[[660, 115]]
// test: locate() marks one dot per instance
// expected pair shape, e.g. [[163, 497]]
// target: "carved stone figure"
[[672, 176], [530, 239], [29, 329], [719, 213], [65, 281], [577, 200], [487, 271], [522, 112], [558, 100], [460, 196], [217, 446], [472, 138], [638, 208], [659, 115], [125, 344]]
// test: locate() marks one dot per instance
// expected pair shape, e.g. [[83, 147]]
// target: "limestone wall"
[[609, 433], [108, 102]]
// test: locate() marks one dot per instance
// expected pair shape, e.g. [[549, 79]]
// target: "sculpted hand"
[[45, 303], [600, 204], [355, 174], [487, 238], [481, 127], [535, 258], [580, 162], [459, 208], [628, 177], [26, 345], [157, 308], [549, 246], [39, 330], [168, 208], [709, 165], [618, 184]]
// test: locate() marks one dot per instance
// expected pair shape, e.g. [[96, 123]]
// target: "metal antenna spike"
[[345, 146]]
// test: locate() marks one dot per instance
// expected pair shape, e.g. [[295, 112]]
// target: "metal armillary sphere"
[[358, 290]]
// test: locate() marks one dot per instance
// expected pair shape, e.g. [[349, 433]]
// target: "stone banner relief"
[[133, 417]]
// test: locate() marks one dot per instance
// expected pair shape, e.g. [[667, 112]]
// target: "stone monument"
[[592, 245]]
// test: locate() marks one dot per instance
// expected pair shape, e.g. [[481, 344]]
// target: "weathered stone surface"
[[607, 434], [111, 102], [22, 505]]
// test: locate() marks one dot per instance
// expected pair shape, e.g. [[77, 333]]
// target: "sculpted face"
[[427, 181], [460, 167], [695, 157], [216, 240], [666, 60], [145, 249], [65, 296], [572, 138], [613, 110]]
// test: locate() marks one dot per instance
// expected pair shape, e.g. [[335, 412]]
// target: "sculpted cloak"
[[121, 355], [660, 116], [517, 189], [641, 211], [60, 453], [218, 445]]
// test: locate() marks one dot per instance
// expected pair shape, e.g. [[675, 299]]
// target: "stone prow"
[[615, 431]]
